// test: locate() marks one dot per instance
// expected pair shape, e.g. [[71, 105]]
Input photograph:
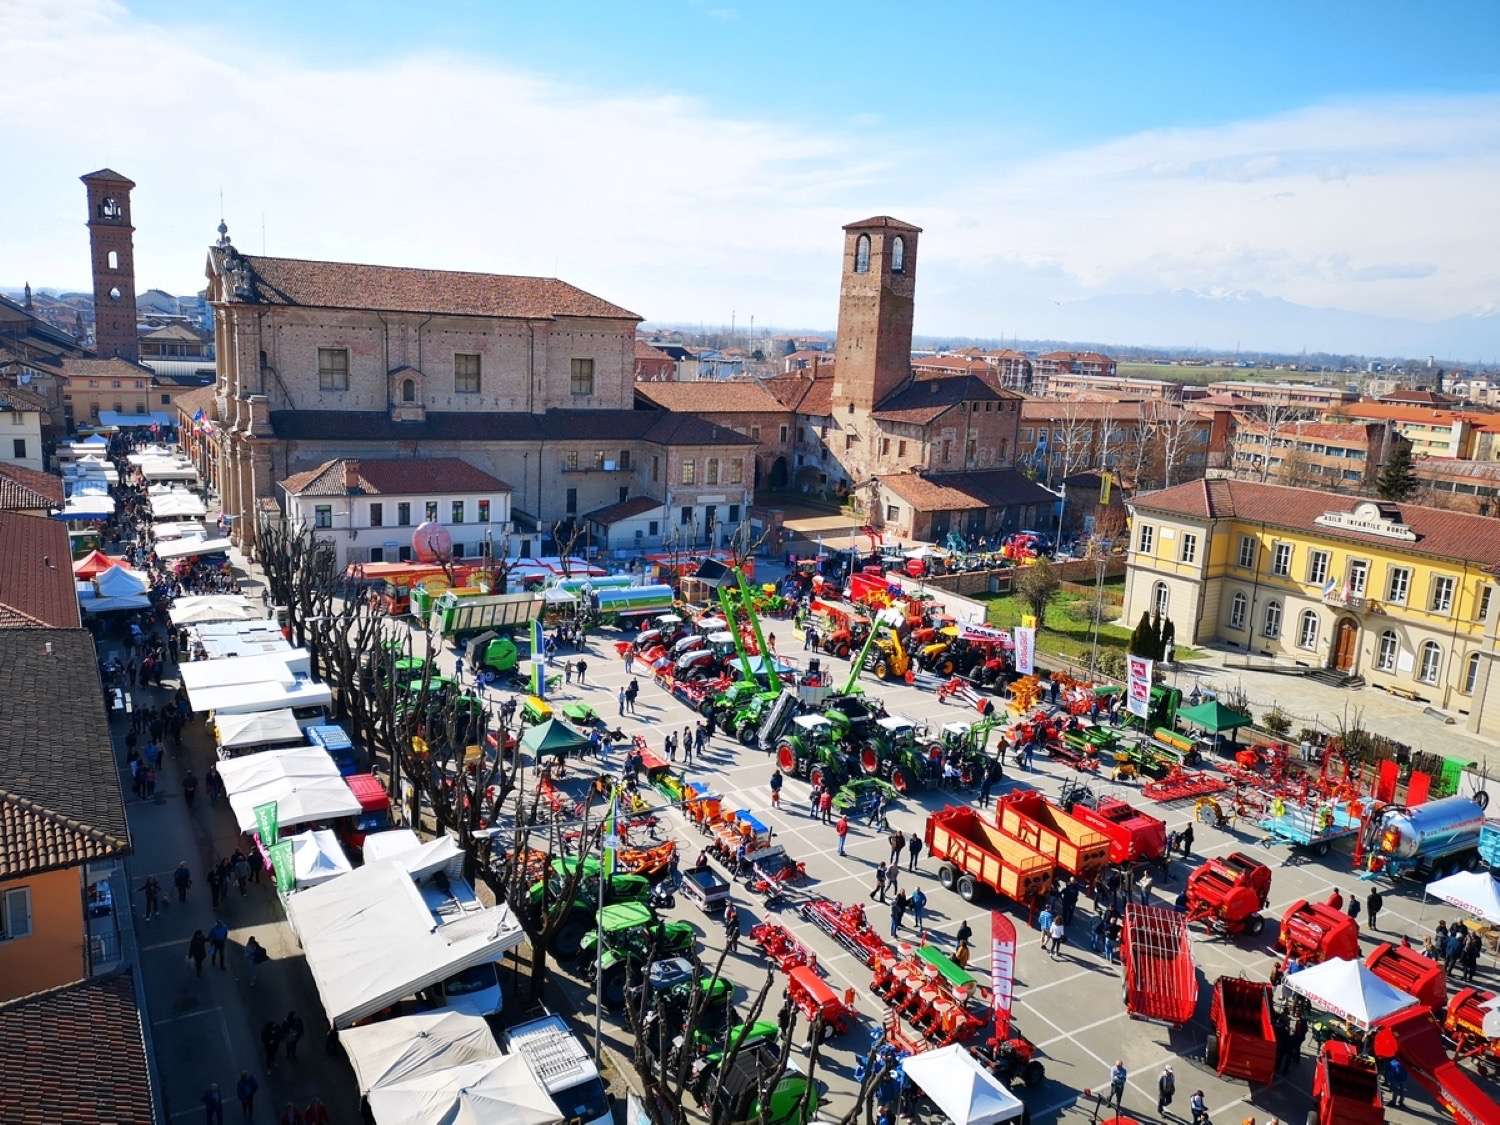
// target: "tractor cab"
[[956, 737], [709, 624], [685, 645], [816, 729], [897, 732], [696, 665], [721, 644]]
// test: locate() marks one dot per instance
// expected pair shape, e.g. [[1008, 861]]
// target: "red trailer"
[[1132, 834], [1227, 894], [971, 853], [1314, 932], [1464, 1024], [1161, 981], [1413, 973], [1243, 1041], [1346, 1089], [1075, 847]]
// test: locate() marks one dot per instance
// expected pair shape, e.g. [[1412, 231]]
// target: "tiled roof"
[[882, 221], [175, 332], [1445, 468], [1427, 415], [36, 574], [1441, 534], [644, 350], [804, 392], [190, 402], [21, 400], [624, 510], [389, 476], [956, 363], [1418, 397], [732, 396], [991, 488], [658, 427], [80, 367], [60, 800], [23, 489], [348, 285], [109, 175], [78, 1054], [922, 400], [1326, 431]]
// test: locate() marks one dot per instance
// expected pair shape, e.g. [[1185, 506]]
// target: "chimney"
[[351, 477]]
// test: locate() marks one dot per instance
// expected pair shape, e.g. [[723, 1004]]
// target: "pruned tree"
[[1276, 416], [1072, 441], [1036, 585], [743, 542], [565, 534]]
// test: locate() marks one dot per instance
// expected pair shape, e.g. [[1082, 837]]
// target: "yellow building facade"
[[1400, 595]]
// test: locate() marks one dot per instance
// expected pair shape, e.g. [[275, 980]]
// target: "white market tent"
[[179, 529], [190, 546], [303, 781], [163, 468], [177, 506], [266, 695], [118, 588], [257, 728], [965, 1092], [222, 640], [283, 667], [317, 857], [1351, 991], [392, 1051], [494, 1091], [86, 506], [369, 940], [1477, 892], [203, 609], [403, 846]]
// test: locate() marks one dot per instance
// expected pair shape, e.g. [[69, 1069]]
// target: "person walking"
[[213, 1105], [1059, 935], [776, 780], [813, 798], [182, 879], [1185, 840], [270, 1041], [1395, 1078], [632, 692], [841, 829], [825, 806], [582, 670], [1469, 958], [241, 867], [1373, 902], [215, 879], [898, 912], [152, 890], [914, 849], [877, 812], [1198, 1105], [986, 785], [629, 662], [731, 929], [255, 957], [218, 937], [918, 903], [620, 694], [1044, 925], [1117, 1079], [1166, 1089], [898, 842], [1144, 886], [878, 894], [245, 1089], [198, 951], [291, 1033]]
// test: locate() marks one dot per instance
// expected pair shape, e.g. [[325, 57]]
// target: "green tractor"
[[724, 705], [892, 752], [632, 936], [714, 1049], [745, 723], [966, 745], [793, 1100], [619, 887], [673, 984], [812, 749]]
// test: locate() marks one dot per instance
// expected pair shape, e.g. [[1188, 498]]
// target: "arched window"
[[862, 254], [1385, 654], [1160, 599], [408, 390], [1272, 626], [1238, 605], [114, 259], [1471, 673], [1431, 663], [110, 208], [898, 254], [1307, 629]]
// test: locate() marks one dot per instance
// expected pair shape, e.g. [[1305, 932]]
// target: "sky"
[[1269, 175]]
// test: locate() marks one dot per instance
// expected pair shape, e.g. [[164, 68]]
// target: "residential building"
[[1141, 441], [111, 246], [933, 506], [1471, 486], [528, 379], [1303, 396], [31, 355], [368, 507], [93, 389], [641, 523], [21, 415], [743, 406], [1338, 456], [174, 341], [809, 398], [806, 360], [1419, 396], [1066, 384], [1400, 594], [29, 492], [1434, 432], [652, 365]]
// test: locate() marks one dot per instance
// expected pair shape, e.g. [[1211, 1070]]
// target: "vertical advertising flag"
[[1025, 650], [1002, 969], [1138, 686], [611, 839], [282, 865], [266, 824], [538, 660]]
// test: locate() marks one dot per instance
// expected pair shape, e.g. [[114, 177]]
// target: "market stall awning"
[[205, 609], [1477, 892], [390, 1051], [317, 856], [553, 737], [89, 506], [302, 781], [177, 506], [421, 859], [958, 1085], [190, 547], [111, 419], [1351, 991], [257, 728], [96, 563], [1213, 717], [502, 1091], [120, 581]]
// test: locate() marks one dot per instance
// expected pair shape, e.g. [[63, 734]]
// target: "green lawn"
[[1202, 376], [1067, 632]]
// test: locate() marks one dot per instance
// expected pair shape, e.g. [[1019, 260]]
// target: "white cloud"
[[682, 212]]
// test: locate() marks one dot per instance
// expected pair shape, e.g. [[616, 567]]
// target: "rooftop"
[[1352, 432], [60, 799], [923, 399], [884, 221], [22, 489], [657, 427], [20, 400], [391, 476], [1418, 415], [81, 367], [804, 392], [36, 574], [108, 175], [624, 510], [730, 396], [991, 488]]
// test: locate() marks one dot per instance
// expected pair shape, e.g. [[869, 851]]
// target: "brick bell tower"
[[876, 298], [112, 249]]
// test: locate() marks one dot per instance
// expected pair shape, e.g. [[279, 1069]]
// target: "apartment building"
[[1434, 432], [1303, 396], [1150, 441], [1339, 456]]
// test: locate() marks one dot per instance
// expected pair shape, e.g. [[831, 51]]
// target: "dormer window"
[[898, 254], [862, 254]]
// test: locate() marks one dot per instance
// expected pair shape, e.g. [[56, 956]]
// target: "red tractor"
[[1227, 894]]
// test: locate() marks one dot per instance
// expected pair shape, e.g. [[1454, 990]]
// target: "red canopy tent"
[[96, 563]]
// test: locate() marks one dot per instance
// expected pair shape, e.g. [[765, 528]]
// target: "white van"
[[561, 1063]]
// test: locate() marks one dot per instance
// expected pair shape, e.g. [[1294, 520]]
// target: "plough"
[[847, 926], [1179, 784], [774, 873], [941, 1000], [960, 690], [778, 944], [650, 862]]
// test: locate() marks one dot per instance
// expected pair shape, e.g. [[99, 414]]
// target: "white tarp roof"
[[281, 667], [1350, 990], [317, 856], [369, 940], [108, 418], [89, 506], [163, 469], [302, 780], [965, 1092], [257, 728], [120, 582], [265, 695], [200, 609], [494, 1091], [177, 506], [179, 529], [403, 846], [190, 546], [1477, 892], [396, 1050], [224, 640]]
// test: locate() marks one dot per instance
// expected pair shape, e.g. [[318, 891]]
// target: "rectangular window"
[[947, 451], [734, 513], [465, 374], [1237, 612], [1442, 594], [901, 449], [333, 369], [484, 511], [403, 514], [737, 471], [1281, 560], [848, 441], [458, 512], [403, 554], [711, 471], [755, 433], [655, 469], [583, 376], [377, 554], [885, 446], [572, 501], [1317, 567], [623, 492], [598, 458], [624, 461], [1026, 434], [166, 400], [18, 448], [1189, 547], [1359, 577], [892, 512], [689, 472], [782, 431], [686, 517], [15, 914], [323, 515], [1398, 584], [432, 506], [377, 515], [1147, 539], [1483, 609], [653, 528], [1247, 552]]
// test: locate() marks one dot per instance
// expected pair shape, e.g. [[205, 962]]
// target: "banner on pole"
[[282, 865], [538, 660], [1138, 687], [1002, 969], [1025, 651], [266, 823], [985, 633]]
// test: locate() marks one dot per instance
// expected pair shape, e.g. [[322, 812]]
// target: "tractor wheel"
[[882, 670], [1255, 924], [816, 776], [747, 733], [612, 992], [869, 761], [786, 759], [706, 708], [945, 668], [1211, 1050], [901, 781], [1321, 848], [841, 651], [947, 876], [569, 937], [1034, 1074], [967, 888]]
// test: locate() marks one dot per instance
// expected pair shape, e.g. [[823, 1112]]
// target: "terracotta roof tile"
[[347, 285], [923, 399], [390, 476], [88, 367], [992, 488], [624, 510], [22, 489], [109, 175], [36, 576], [1459, 536], [805, 392], [882, 221], [735, 396], [190, 402], [78, 1054]]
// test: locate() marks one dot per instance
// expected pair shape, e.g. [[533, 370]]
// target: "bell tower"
[[876, 297], [112, 250]]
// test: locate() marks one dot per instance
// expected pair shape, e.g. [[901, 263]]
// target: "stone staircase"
[[1334, 678]]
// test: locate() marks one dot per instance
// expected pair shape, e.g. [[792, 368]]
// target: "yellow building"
[[1398, 594]]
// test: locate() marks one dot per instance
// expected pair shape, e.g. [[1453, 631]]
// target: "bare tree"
[[1276, 416], [1072, 441], [1175, 429], [566, 533]]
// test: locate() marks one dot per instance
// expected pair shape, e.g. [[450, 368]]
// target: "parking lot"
[[1071, 1007]]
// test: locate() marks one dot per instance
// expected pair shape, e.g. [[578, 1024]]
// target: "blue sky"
[[694, 160]]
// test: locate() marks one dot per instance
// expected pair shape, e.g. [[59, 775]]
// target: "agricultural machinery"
[[1228, 893]]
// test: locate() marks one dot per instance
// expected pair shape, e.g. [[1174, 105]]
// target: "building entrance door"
[[1345, 635]]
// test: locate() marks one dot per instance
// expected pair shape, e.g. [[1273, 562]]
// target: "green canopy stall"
[[552, 737]]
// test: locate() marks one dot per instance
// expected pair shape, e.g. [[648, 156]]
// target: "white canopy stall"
[[266, 695], [202, 609], [223, 640], [86, 506], [964, 1091], [257, 728], [177, 505], [317, 857], [179, 529], [118, 588], [495, 1092], [1351, 991], [421, 859], [191, 546], [302, 780], [392, 1051], [281, 667], [168, 469], [370, 941], [1477, 892]]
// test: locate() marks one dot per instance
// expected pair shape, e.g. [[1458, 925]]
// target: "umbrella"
[[1477, 892], [1213, 717], [479, 1093], [1350, 990]]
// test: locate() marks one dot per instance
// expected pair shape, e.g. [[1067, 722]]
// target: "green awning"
[[552, 737], [1108, 689], [1213, 717], [949, 968]]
